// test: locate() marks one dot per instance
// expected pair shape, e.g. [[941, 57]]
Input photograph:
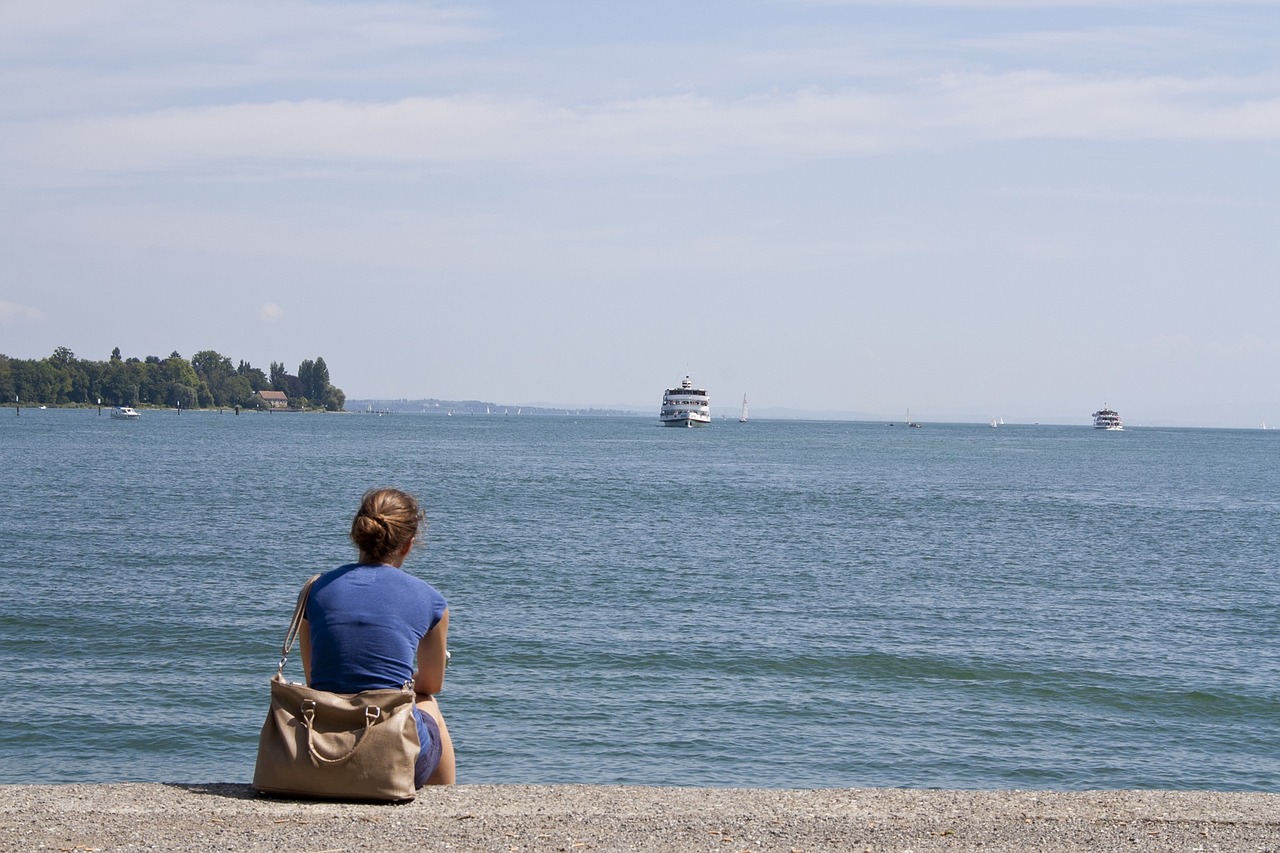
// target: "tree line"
[[207, 380]]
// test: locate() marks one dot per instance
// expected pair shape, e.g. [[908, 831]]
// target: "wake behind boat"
[[685, 406]]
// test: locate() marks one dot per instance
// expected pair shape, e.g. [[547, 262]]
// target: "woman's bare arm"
[[304, 649], [429, 679]]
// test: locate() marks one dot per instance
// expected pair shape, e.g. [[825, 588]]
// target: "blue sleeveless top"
[[366, 623]]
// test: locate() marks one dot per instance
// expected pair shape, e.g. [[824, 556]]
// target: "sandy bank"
[[597, 818]]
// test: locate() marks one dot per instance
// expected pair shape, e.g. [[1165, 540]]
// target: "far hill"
[[474, 407]]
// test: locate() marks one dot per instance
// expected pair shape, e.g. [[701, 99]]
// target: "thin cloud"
[[1040, 105], [65, 56], [165, 29], [653, 133], [1030, 5], [269, 312], [13, 314]]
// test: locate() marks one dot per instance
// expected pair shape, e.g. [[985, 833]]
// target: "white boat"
[[910, 422], [994, 424], [685, 406], [742, 419], [124, 413], [1108, 419]]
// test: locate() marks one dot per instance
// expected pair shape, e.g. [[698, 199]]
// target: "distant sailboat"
[[742, 419], [910, 422], [994, 424]]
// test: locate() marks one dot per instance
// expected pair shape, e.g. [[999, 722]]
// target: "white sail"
[[742, 419]]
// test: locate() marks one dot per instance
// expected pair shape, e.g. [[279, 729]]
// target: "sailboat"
[[910, 422], [742, 419]]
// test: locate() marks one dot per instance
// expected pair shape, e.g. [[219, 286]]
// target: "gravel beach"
[[512, 818]]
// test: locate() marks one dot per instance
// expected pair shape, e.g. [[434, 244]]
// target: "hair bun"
[[386, 524]]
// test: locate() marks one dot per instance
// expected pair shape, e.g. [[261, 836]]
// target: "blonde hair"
[[387, 521]]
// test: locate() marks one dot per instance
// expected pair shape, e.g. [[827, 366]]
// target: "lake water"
[[775, 604]]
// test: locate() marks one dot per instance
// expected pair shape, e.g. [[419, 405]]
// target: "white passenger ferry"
[[685, 406], [1106, 418]]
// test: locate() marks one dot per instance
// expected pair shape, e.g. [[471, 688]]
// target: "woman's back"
[[366, 623]]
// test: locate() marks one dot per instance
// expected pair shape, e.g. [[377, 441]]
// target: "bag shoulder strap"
[[299, 612]]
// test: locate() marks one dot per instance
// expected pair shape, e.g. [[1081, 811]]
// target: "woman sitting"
[[369, 625]]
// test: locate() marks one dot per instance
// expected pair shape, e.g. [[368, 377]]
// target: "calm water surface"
[[773, 604]]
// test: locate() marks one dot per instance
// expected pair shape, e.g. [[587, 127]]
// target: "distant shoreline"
[[443, 408], [106, 410], [447, 408]]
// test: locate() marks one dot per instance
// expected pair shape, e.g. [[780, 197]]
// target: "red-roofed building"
[[274, 399]]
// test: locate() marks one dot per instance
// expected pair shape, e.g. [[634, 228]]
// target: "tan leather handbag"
[[337, 746]]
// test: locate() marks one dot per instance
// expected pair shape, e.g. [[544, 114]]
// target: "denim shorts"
[[429, 752]]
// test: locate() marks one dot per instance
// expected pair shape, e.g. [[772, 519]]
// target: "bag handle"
[[299, 612], [372, 714]]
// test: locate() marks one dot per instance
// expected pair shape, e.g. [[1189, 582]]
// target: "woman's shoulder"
[[419, 601], [421, 585], [388, 579], [402, 582], [326, 578]]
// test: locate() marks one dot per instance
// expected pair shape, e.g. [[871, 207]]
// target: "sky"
[[964, 208]]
